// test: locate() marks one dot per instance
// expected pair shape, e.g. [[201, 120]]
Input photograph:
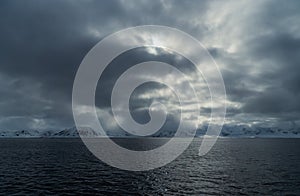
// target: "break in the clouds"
[[255, 43]]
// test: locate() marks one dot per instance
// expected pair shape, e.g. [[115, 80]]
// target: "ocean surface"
[[232, 167]]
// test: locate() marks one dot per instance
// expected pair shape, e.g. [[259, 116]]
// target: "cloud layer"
[[256, 45]]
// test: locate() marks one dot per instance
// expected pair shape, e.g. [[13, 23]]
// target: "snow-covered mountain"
[[227, 131], [72, 132], [20, 133], [256, 131]]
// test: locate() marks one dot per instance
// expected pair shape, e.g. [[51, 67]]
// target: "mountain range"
[[227, 131]]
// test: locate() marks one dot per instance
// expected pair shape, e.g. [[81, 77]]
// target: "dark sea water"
[[233, 167]]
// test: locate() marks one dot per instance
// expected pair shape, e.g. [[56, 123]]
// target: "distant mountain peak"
[[227, 131]]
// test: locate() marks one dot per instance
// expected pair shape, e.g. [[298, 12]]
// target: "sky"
[[256, 45]]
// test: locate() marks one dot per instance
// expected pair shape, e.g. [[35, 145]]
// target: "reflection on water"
[[233, 166]]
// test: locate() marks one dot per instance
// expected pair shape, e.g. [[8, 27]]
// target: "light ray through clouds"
[[256, 45]]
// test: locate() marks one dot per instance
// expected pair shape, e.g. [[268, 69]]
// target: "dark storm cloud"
[[282, 55], [40, 45], [43, 42]]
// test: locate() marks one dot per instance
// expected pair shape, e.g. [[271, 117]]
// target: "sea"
[[234, 166]]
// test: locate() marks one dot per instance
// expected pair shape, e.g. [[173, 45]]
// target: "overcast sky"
[[255, 43]]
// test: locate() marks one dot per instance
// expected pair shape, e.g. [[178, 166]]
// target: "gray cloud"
[[256, 44]]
